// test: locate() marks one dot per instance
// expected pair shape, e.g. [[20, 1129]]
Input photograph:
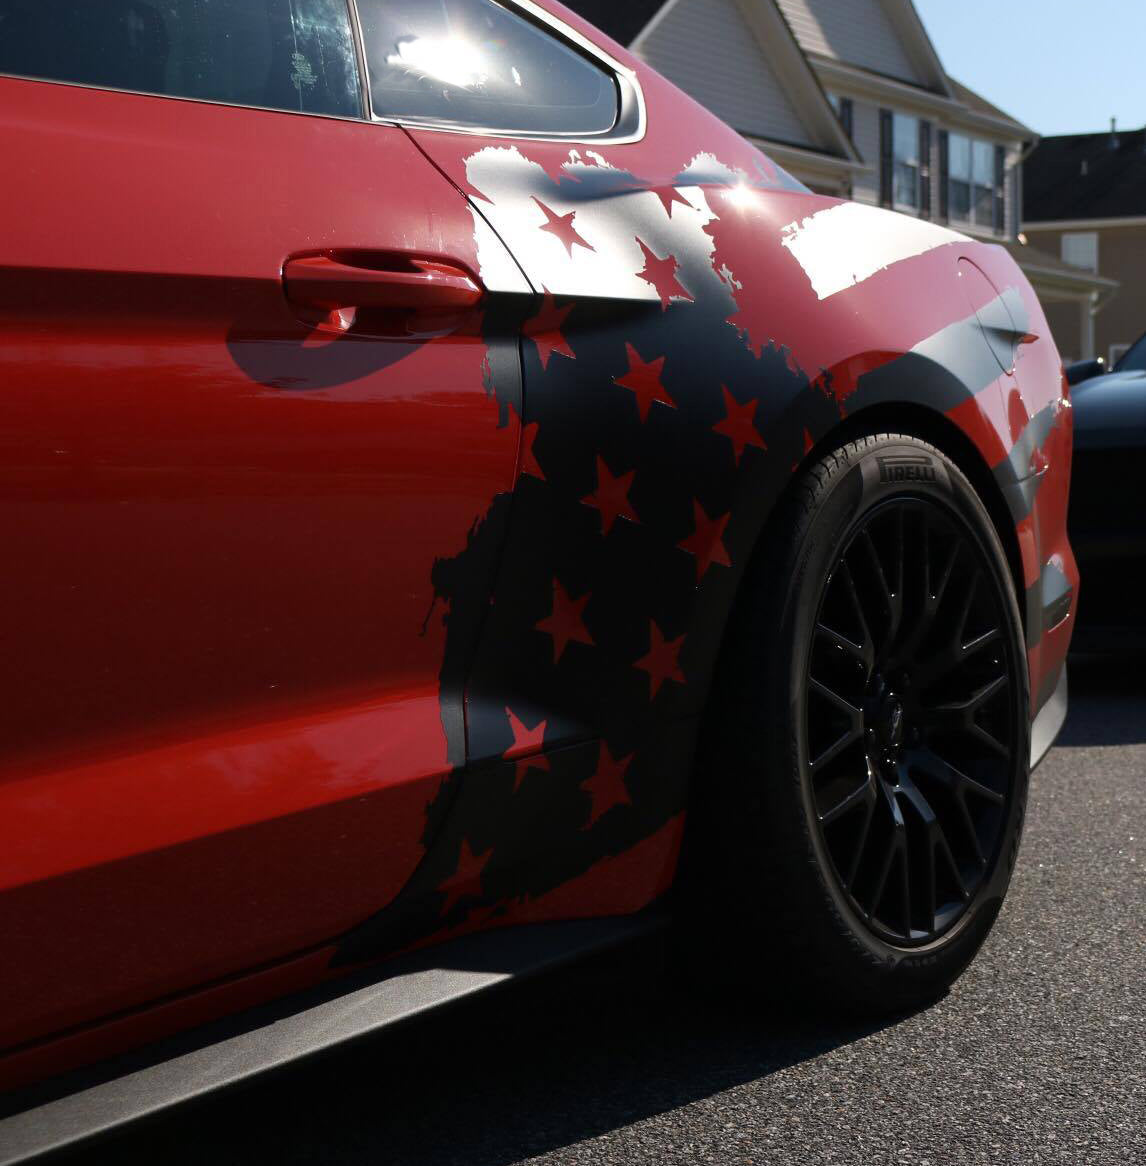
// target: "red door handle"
[[326, 282]]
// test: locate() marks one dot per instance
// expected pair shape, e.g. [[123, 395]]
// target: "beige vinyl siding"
[[857, 32], [707, 48]]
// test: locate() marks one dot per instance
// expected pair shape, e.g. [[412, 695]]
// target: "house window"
[[972, 181], [843, 108], [983, 182], [1080, 249], [905, 173]]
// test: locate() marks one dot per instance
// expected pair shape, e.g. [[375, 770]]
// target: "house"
[[851, 98], [1085, 201]]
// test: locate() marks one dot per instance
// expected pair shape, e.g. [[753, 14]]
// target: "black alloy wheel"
[[909, 719], [865, 759]]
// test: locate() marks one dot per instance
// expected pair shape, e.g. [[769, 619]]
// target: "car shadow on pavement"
[[523, 1071], [1107, 702]]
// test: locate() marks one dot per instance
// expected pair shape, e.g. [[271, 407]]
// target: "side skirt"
[[1049, 721], [242, 1048]]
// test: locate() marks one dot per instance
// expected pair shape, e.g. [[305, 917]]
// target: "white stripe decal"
[[848, 243]]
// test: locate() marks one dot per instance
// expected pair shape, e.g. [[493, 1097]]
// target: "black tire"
[[786, 893]]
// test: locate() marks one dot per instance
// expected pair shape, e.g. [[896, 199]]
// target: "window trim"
[[357, 119], [629, 127]]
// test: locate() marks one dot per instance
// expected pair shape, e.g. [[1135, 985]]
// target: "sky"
[[1059, 66]]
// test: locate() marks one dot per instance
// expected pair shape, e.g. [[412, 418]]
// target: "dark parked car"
[[463, 504], [1107, 517]]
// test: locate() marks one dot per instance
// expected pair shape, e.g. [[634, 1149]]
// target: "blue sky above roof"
[[1060, 66]]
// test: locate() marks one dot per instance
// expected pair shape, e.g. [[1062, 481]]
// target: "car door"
[[254, 398]]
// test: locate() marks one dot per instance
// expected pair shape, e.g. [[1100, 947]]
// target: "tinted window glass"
[[475, 63], [282, 54]]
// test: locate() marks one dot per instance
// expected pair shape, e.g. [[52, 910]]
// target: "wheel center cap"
[[890, 723]]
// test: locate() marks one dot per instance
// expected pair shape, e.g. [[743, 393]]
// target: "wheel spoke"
[[931, 830], [945, 575], [881, 882], [870, 801], [943, 660], [946, 660], [854, 715], [891, 599], [835, 749], [900, 555], [948, 775], [896, 848], [905, 867], [868, 644], [861, 653], [965, 606], [989, 741], [971, 832], [984, 640], [935, 838], [960, 714], [863, 795]]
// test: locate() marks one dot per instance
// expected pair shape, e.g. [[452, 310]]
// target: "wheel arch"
[[937, 429], [908, 418]]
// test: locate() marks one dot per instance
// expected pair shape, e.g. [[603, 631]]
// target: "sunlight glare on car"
[[451, 60], [741, 196]]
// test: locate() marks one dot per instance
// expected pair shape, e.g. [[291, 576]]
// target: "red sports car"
[[462, 504]]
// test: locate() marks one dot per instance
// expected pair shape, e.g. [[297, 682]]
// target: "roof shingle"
[[1086, 176]]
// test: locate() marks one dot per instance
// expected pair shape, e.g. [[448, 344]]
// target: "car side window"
[[276, 54], [478, 64]]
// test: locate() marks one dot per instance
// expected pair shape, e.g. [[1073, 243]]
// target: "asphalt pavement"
[[1038, 1054]]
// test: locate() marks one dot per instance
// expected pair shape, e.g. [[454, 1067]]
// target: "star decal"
[[611, 497], [561, 227], [465, 882], [526, 748], [607, 785], [566, 621], [661, 275], [644, 379], [529, 463], [668, 195], [661, 661], [738, 424], [706, 542], [544, 330]]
